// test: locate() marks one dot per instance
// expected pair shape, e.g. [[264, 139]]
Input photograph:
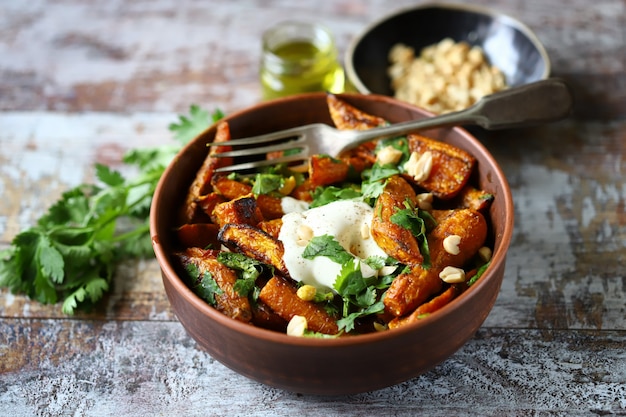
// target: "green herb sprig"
[[70, 254]]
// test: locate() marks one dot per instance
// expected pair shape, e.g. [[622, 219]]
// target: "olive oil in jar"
[[298, 58]]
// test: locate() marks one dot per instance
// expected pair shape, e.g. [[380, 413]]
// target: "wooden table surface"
[[84, 81]]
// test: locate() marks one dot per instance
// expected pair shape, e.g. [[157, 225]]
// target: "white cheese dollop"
[[291, 205], [345, 221]]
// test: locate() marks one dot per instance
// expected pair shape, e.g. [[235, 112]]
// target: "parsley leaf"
[[70, 254]]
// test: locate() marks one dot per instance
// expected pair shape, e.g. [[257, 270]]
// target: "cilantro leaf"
[[108, 176], [375, 179], [188, 128], [360, 295], [71, 252], [207, 288], [372, 190], [248, 269], [326, 245], [202, 283], [267, 183], [481, 270], [417, 222], [325, 195], [380, 172]]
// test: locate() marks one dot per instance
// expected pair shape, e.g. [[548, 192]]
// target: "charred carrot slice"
[[254, 243], [281, 296], [242, 210]]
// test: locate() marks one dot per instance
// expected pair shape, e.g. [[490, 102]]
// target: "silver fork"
[[535, 103]]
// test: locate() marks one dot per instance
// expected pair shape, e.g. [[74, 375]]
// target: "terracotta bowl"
[[507, 43], [329, 366]]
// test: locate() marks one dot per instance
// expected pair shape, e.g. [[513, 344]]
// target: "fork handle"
[[539, 102]]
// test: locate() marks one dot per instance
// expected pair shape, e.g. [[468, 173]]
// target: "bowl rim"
[[477, 9], [170, 274]]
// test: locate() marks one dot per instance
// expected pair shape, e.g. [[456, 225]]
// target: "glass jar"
[[299, 57]]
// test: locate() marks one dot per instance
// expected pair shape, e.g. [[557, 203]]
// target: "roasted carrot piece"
[[270, 206], [242, 210], [207, 202], [271, 227], [304, 191], [451, 166], [346, 117], [281, 296], [473, 198], [202, 182], [230, 189], [324, 170], [263, 316], [409, 290], [427, 308], [255, 243], [199, 235], [394, 239], [229, 302], [469, 225], [360, 158]]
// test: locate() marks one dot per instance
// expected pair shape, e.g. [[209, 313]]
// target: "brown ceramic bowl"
[[329, 366]]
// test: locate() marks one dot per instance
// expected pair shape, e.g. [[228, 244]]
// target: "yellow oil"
[[298, 67]]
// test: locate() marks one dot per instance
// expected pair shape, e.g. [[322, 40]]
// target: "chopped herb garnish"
[[418, 222], [247, 268], [267, 183], [327, 246], [203, 284], [324, 195], [481, 270]]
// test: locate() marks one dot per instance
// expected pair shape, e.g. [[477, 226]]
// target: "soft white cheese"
[[344, 221], [291, 205]]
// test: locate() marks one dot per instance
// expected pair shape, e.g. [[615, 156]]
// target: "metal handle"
[[539, 102]]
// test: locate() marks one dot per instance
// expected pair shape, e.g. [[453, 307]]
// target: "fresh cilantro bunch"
[[70, 254]]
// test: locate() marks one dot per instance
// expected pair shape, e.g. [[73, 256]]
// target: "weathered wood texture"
[[95, 368], [162, 55], [83, 81]]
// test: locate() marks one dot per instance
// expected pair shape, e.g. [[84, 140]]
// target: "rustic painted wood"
[[95, 368], [82, 82]]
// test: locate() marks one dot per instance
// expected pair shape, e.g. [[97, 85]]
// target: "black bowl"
[[507, 43]]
